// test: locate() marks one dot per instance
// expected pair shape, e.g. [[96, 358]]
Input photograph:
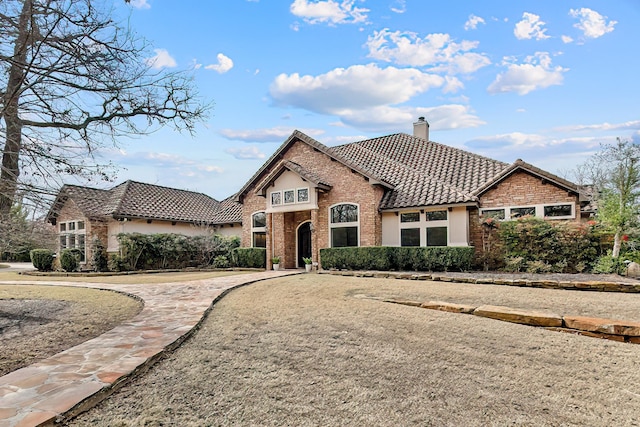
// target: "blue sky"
[[547, 81]]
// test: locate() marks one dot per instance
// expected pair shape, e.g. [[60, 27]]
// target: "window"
[[72, 236], [437, 236], [558, 211], [276, 198], [410, 217], [437, 216], [289, 196], [259, 229], [344, 225], [493, 213], [303, 195], [259, 219], [410, 237], [520, 212]]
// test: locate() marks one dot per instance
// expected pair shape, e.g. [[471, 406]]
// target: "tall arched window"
[[344, 225], [259, 230]]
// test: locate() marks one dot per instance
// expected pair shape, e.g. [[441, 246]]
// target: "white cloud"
[[630, 125], [140, 4], [592, 24], [472, 22], [224, 64], [399, 6], [275, 134], [328, 11], [386, 118], [566, 39], [246, 153], [530, 27], [435, 50], [354, 88], [161, 60], [535, 73]]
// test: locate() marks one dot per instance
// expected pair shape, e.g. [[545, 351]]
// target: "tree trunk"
[[11, 114], [617, 243]]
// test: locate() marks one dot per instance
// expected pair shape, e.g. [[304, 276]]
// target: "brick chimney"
[[421, 129]]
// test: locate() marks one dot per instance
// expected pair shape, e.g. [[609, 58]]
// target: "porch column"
[[269, 240], [315, 251]]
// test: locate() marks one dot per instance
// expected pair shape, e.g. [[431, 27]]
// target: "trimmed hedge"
[[249, 257], [386, 258], [70, 259], [42, 259]]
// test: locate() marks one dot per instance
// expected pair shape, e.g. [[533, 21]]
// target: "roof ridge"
[[405, 167]]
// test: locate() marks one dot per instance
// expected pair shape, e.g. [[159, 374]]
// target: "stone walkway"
[[81, 376]]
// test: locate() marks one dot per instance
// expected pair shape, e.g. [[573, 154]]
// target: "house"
[[81, 214], [395, 190]]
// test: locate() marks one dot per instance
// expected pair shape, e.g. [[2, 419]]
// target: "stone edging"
[[598, 286], [616, 330]]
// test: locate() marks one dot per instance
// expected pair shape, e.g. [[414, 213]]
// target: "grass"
[[128, 279], [311, 350]]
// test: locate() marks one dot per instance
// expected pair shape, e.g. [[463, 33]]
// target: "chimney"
[[421, 129]]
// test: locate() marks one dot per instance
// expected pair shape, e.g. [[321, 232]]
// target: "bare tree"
[[72, 81]]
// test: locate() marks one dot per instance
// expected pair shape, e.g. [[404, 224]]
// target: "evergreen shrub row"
[[249, 257], [385, 258]]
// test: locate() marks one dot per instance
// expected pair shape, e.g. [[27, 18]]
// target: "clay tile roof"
[[140, 200], [230, 211], [133, 199], [421, 172], [90, 201]]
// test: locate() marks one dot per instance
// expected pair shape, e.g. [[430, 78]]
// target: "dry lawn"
[[309, 350], [39, 321], [122, 279]]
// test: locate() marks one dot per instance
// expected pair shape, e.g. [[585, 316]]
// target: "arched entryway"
[[304, 242]]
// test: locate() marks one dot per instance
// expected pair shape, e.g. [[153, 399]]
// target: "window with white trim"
[[72, 236], [259, 230], [344, 225], [549, 211], [276, 198]]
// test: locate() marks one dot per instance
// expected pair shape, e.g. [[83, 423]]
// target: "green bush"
[[538, 245], [386, 258], [220, 261], [42, 259], [249, 257], [606, 264], [99, 259], [70, 259], [116, 263]]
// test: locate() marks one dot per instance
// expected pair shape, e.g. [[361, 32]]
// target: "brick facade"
[[519, 189], [93, 228], [346, 187]]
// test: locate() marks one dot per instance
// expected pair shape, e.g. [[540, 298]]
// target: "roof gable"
[[520, 165], [271, 165]]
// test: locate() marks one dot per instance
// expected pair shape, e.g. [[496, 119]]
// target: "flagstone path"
[[81, 376]]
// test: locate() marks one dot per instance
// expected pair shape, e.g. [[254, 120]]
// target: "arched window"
[[259, 230], [344, 225]]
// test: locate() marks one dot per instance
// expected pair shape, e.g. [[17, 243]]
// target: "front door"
[[304, 242]]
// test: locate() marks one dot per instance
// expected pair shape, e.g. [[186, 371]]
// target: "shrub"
[[249, 257], [42, 259], [116, 263], [220, 261], [606, 264], [387, 258], [99, 259], [70, 259], [539, 267], [566, 247]]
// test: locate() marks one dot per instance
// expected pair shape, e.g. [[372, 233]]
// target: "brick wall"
[[519, 189], [347, 186]]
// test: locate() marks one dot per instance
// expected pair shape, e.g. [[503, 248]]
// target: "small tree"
[[615, 175], [99, 258]]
